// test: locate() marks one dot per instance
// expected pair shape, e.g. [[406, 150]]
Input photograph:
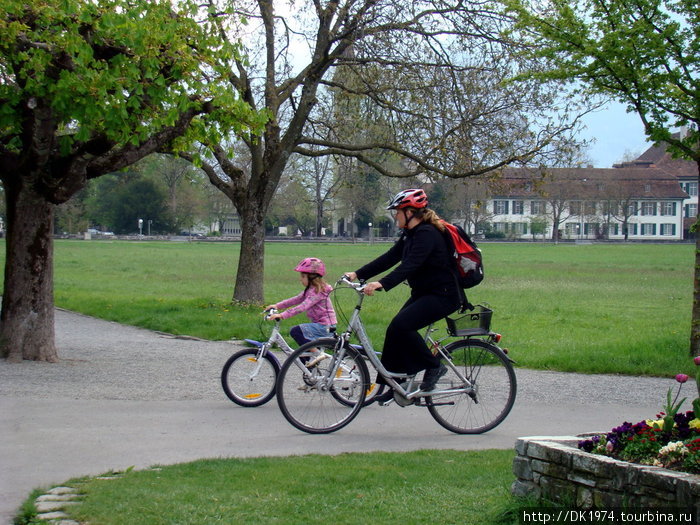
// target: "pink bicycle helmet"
[[415, 198], [311, 265]]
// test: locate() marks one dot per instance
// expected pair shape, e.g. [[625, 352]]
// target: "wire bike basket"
[[476, 322]]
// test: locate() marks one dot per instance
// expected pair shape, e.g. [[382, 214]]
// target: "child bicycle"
[[474, 396], [250, 375]]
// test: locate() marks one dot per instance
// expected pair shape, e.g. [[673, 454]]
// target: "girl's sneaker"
[[317, 359]]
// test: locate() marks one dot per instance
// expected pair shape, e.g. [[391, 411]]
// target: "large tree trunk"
[[695, 321], [249, 278], [27, 319]]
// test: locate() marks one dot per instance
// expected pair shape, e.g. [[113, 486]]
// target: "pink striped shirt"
[[317, 305]]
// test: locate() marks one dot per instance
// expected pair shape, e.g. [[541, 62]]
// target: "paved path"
[[123, 396]]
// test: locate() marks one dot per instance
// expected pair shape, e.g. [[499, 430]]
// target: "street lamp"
[[140, 227], [370, 233]]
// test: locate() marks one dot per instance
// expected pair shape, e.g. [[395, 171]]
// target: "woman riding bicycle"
[[424, 261]]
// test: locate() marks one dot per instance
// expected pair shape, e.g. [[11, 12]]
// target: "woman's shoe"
[[431, 376], [385, 397]]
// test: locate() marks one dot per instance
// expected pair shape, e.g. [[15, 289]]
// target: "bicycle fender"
[[273, 357]]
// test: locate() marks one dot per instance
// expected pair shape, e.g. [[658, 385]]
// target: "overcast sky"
[[616, 133]]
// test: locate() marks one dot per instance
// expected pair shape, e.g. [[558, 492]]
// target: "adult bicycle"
[[249, 376], [474, 396]]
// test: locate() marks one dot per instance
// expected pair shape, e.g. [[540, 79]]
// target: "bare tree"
[[431, 75]]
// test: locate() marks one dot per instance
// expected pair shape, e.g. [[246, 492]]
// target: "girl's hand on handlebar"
[[371, 287], [274, 317]]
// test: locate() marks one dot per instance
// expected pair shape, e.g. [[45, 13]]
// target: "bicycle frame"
[[356, 326], [265, 348]]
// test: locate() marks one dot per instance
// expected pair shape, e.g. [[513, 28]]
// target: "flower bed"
[[651, 464], [672, 440], [555, 469]]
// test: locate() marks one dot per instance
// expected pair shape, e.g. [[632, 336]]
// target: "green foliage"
[[646, 54], [118, 71], [117, 202], [643, 445]]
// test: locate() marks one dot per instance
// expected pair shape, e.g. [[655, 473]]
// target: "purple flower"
[[681, 378], [696, 360]]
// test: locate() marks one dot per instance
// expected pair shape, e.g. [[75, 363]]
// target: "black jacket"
[[424, 262]]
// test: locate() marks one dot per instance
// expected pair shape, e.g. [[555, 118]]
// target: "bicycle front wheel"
[[308, 396], [248, 380], [486, 398]]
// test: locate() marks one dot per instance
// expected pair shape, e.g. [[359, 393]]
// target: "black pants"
[[405, 350]]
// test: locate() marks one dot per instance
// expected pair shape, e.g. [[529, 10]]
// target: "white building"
[[629, 202]]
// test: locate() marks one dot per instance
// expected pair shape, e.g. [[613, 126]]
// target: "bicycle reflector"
[[497, 337]]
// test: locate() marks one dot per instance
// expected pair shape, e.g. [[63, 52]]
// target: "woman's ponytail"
[[429, 216]]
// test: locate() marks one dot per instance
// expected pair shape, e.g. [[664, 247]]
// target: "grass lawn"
[[428, 486], [618, 308]]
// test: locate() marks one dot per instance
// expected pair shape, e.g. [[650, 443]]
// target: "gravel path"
[[106, 360]]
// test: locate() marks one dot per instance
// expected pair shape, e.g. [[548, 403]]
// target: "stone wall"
[[555, 469]]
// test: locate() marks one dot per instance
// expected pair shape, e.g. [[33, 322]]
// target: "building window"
[[519, 228], [613, 228], [668, 229], [691, 210], [500, 207], [648, 208], [648, 229], [500, 227], [591, 228], [575, 208], [590, 208], [647, 188], [572, 229], [668, 208], [537, 207], [610, 208], [518, 207], [691, 188]]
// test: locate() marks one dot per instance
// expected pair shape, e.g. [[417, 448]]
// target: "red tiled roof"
[[588, 183], [658, 156]]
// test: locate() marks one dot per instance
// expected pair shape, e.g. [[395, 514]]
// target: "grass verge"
[[427, 486]]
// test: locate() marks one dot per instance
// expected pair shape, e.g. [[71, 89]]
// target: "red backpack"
[[466, 256]]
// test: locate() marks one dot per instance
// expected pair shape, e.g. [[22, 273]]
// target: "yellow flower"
[[695, 424], [655, 423]]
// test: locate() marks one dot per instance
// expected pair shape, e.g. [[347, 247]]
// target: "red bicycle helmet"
[[311, 265], [415, 198]]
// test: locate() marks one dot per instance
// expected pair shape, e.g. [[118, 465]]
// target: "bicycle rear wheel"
[[345, 391], [491, 396], [250, 381], [309, 398]]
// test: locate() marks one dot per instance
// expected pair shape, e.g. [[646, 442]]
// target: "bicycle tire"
[[306, 395], [495, 386], [238, 383]]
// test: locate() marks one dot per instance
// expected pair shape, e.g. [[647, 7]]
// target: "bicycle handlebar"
[[270, 312], [355, 286]]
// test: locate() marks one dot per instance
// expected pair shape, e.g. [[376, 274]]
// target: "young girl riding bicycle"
[[314, 300]]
